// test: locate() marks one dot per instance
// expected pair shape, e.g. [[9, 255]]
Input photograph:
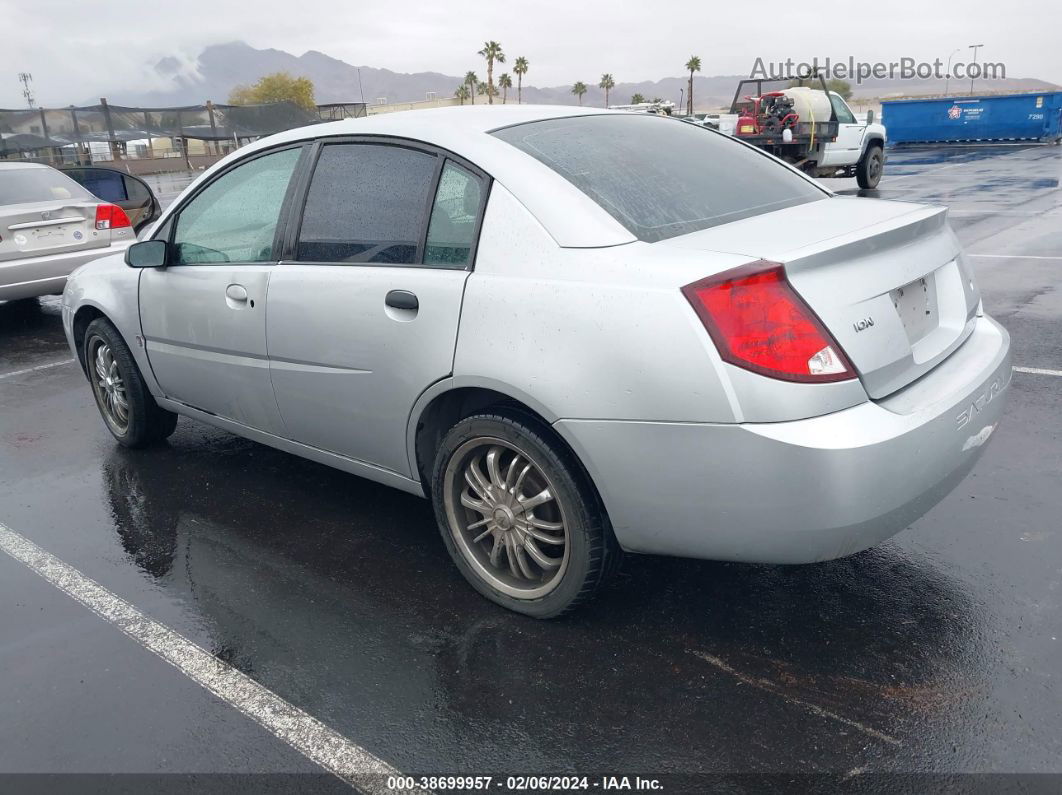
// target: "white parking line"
[[307, 735], [1013, 256], [48, 366], [1038, 371]]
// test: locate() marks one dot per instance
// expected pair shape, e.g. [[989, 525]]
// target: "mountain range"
[[221, 67]]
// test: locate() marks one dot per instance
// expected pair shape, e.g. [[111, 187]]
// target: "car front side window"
[[840, 108], [234, 219]]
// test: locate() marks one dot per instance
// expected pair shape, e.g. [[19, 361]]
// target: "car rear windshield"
[[28, 185], [661, 177]]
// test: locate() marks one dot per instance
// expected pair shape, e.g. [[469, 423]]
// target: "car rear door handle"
[[402, 299], [237, 292]]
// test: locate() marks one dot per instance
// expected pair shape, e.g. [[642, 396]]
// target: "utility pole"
[[26, 78], [975, 48], [947, 77]]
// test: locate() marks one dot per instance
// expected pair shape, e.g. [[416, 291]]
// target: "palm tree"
[[486, 91], [693, 65], [608, 84], [637, 99], [492, 51], [472, 81], [579, 89], [462, 93], [506, 83], [520, 68]]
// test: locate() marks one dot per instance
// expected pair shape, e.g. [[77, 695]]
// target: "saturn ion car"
[[577, 332]]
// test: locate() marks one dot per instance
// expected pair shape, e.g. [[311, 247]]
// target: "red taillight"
[[758, 322], [110, 216]]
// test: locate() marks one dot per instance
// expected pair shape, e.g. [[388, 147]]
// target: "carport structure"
[[187, 136]]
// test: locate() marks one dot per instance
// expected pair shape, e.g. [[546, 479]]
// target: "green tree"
[[472, 81], [276, 87], [608, 84], [505, 83], [579, 89], [637, 99], [462, 93], [842, 87], [520, 69], [692, 65], [492, 51], [836, 85]]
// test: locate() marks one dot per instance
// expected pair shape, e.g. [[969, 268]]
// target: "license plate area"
[[46, 237], [916, 306]]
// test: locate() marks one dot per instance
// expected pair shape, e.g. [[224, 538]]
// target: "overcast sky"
[[77, 50]]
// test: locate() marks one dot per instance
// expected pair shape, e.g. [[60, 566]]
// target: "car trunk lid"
[[886, 278], [50, 227]]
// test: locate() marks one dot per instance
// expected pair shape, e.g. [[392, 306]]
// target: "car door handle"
[[402, 299], [237, 292]]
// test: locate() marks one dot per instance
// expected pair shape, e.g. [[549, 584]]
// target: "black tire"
[[145, 423], [590, 553], [870, 167]]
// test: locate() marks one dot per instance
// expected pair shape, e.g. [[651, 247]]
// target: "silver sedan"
[[49, 225], [578, 333]]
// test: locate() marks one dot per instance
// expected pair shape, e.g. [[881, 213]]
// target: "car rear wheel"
[[127, 407], [868, 171], [518, 515]]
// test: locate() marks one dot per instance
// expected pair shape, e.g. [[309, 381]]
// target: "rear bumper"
[[802, 491], [33, 276]]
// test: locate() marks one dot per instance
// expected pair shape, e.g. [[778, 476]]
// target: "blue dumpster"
[[1004, 117]]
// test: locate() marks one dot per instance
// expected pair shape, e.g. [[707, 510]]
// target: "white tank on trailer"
[[810, 104]]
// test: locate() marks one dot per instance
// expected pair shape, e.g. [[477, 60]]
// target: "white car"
[[577, 332], [49, 225]]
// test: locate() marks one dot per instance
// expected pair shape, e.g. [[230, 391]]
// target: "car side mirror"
[[870, 117], [146, 254]]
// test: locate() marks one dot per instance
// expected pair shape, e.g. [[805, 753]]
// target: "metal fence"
[[115, 132]]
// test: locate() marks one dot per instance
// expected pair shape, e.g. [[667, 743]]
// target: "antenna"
[[26, 78]]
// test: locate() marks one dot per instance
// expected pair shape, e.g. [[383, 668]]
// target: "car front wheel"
[[127, 407], [870, 167], [518, 515]]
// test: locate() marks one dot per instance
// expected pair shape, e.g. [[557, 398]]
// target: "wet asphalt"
[[939, 651]]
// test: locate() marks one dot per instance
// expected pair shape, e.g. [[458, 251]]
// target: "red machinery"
[[767, 114]]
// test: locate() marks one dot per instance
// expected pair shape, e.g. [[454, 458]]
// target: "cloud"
[[76, 52]]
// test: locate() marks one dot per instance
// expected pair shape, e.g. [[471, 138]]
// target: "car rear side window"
[[452, 229], [107, 185], [661, 177], [367, 203], [31, 185]]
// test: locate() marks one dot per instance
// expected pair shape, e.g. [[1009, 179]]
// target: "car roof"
[[467, 120], [11, 166], [571, 217]]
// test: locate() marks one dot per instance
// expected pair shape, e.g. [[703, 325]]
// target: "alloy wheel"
[[109, 387], [506, 517]]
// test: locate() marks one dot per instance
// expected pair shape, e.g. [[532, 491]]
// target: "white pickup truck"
[[837, 144]]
